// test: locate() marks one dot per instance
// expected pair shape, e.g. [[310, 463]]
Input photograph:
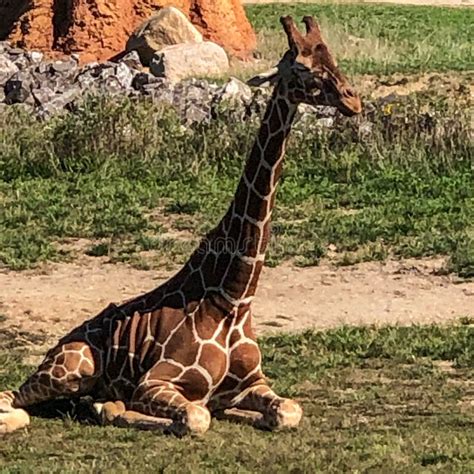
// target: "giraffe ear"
[[266, 78]]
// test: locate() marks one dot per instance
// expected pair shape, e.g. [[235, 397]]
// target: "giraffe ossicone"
[[169, 359]]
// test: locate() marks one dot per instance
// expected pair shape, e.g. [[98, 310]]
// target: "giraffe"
[[171, 357]]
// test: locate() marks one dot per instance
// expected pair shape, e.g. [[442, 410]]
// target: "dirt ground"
[[457, 86], [51, 301]]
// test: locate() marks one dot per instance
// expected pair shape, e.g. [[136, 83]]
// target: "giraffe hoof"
[[288, 414], [198, 419], [98, 408], [284, 414], [109, 411], [13, 420]]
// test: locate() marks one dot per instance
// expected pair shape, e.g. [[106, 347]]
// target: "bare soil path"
[[57, 298]]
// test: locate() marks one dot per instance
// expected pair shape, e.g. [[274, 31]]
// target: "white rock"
[[35, 56], [7, 69], [235, 90], [189, 60], [168, 27], [124, 75]]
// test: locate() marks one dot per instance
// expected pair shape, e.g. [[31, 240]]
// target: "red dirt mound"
[[99, 29]]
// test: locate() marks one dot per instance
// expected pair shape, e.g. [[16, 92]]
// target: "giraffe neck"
[[246, 225], [238, 243]]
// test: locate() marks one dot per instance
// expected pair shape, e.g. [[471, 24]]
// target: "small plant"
[[99, 250]]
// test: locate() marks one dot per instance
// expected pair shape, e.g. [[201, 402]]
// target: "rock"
[[132, 60], [64, 66], [4, 46], [7, 69], [35, 57], [234, 99], [21, 61], [43, 95], [145, 82], [99, 29], [235, 91], [94, 75], [16, 92], [224, 22], [58, 103], [325, 122], [122, 76], [168, 27], [49, 87], [106, 77], [193, 100], [87, 76], [56, 75], [15, 51], [43, 67], [189, 60]]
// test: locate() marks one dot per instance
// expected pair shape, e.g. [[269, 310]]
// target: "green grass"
[[377, 400], [126, 176], [378, 39]]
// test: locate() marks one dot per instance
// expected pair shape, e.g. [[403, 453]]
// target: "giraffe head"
[[310, 72]]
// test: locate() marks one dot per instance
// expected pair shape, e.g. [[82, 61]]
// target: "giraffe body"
[[160, 361], [170, 358]]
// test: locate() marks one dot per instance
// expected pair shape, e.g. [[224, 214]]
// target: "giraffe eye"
[[319, 48]]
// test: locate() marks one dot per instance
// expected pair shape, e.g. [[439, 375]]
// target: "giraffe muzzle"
[[350, 103], [344, 98]]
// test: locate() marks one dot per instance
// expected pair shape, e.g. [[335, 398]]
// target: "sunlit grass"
[[377, 39], [404, 190], [385, 400]]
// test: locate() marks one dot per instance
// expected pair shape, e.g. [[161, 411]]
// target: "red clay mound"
[[99, 29]]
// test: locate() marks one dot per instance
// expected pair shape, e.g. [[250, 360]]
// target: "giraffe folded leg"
[[161, 405], [116, 414], [69, 369], [277, 412]]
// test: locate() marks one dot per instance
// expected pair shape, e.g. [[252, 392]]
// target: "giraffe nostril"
[[349, 93]]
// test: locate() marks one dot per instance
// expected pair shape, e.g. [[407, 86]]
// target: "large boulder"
[[169, 26], [99, 29], [181, 61]]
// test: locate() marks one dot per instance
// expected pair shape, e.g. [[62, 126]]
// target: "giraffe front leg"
[[70, 369], [157, 406], [116, 414], [245, 388], [277, 412], [164, 400]]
